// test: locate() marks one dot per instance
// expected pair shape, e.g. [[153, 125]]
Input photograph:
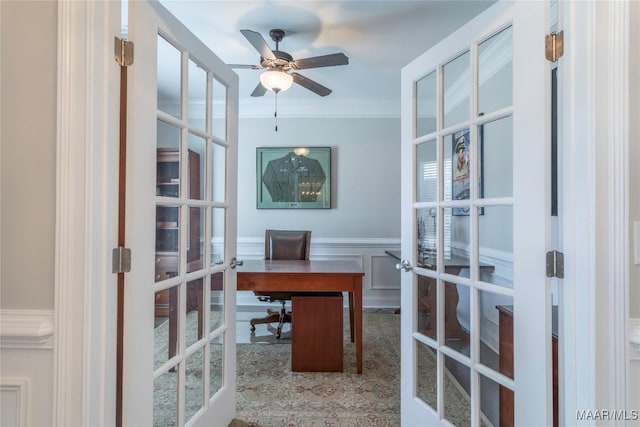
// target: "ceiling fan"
[[280, 66]]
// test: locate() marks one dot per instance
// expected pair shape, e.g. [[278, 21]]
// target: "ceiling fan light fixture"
[[276, 81], [301, 151]]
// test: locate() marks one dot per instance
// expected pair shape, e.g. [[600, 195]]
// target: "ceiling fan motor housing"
[[282, 60]]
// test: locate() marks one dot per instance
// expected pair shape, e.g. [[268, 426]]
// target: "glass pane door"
[[182, 289], [463, 192]]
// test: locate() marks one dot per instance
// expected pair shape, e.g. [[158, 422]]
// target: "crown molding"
[[264, 107], [319, 108]]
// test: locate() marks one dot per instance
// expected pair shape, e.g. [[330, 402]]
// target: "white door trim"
[[86, 164], [594, 135], [616, 195]]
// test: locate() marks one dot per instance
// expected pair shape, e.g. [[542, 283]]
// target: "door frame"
[[86, 214], [86, 167], [593, 87]]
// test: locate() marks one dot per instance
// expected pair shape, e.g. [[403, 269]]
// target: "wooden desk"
[[310, 276], [427, 298], [453, 266]]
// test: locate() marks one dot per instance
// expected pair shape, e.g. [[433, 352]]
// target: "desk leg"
[[427, 303], [173, 321], [357, 296], [452, 327], [351, 316]]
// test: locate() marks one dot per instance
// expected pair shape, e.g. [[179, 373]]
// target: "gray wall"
[[366, 176], [28, 153]]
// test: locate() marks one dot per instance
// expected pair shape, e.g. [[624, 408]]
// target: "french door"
[[179, 328], [476, 303]]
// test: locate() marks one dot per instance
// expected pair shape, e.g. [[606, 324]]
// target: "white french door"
[[179, 327], [475, 224]]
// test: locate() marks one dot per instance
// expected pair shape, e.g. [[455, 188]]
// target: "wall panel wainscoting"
[[26, 372], [634, 367], [381, 284]]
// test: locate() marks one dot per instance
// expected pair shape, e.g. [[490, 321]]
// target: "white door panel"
[[179, 328], [475, 222]]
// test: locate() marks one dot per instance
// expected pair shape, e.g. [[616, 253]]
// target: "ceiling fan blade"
[[259, 90], [321, 61], [257, 41], [245, 66], [313, 86]]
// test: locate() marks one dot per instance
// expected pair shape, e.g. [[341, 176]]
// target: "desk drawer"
[[167, 263], [166, 266]]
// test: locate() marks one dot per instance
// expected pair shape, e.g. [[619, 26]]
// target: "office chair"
[[282, 245]]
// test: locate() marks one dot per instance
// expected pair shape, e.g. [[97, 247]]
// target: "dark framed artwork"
[[460, 169], [293, 177]]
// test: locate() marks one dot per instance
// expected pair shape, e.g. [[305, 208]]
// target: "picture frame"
[[293, 177], [460, 169]]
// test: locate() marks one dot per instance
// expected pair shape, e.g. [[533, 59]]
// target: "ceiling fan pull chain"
[[275, 114]]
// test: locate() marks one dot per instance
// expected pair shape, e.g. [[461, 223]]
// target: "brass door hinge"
[[554, 46], [123, 52]]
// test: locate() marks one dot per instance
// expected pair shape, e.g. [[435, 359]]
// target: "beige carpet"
[[269, 394]]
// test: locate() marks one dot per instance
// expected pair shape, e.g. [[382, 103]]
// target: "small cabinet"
[[506, 363], [168, 220]]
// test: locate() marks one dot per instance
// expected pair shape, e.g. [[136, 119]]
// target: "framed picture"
[[460, 169], [293, 177]]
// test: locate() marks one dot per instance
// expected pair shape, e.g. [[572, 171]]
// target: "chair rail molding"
[[26, 329]]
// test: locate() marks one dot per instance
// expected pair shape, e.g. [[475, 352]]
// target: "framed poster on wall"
[[293, 177], [460, 169]]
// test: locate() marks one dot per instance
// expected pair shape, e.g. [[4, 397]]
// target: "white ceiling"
[[379, 37]]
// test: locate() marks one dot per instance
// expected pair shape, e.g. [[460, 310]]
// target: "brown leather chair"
[[282, 245]]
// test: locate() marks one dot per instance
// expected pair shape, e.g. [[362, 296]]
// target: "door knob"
[[234, 262], [404, 265]]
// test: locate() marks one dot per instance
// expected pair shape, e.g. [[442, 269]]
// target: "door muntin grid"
[[191, 211], [455, 213]]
